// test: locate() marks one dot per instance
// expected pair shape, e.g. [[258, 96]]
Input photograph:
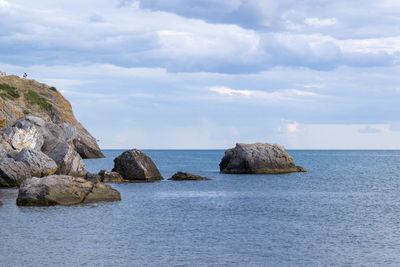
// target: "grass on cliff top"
[[35, 98], [53, 89], [8, 92]]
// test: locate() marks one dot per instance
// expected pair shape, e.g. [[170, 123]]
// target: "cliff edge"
[[20, 97]]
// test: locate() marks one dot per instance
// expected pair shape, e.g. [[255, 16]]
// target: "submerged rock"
[[63, 190], [184, 176], [257, 159], [136, 165]]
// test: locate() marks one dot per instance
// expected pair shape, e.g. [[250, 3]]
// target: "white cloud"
[[223, 90], [318, 23], [262, 95], [293, 127]]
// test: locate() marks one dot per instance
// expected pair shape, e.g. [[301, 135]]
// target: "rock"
[[63, 190], [258, 158], [86, 145], [110, 177], [93, 177], [13, 173], [68, 160], [182, 176], [39, 163], [136, 165], [19, 138]]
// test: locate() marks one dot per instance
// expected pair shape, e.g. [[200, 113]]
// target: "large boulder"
[[68, 160], [63, 190], [136, 165], [39, 163], [257, 159], [184, 176], [13, 173]]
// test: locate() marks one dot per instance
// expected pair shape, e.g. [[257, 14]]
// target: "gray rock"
[[63, 190], [12, 154], [86, 145], [13, 173], [110, 177], [68, 160], [39, 163], [136, 165], [258, 158], [93, 177], [184, 176]]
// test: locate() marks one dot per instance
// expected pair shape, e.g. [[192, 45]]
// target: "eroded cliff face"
[[20, 97]]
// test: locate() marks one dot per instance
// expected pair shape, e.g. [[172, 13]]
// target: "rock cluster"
[[63, 190], [135, 165], [33, 147], [257, 159], [184, 176]]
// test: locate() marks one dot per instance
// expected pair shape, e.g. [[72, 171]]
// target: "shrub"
[[35, 98], [8, 91], [26, 112], [53, 89]]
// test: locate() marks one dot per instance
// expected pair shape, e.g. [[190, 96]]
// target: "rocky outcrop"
[[136, 165], [19, 97], [184, 176], [110, 177], [13, 173], [257, 159], [63, 190], [38, 163]]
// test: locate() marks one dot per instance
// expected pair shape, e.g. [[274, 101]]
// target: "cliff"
[[20, 97]]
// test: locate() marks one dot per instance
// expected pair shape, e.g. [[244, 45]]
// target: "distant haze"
[[207, 74]]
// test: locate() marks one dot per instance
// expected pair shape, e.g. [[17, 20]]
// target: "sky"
[[202, 74]]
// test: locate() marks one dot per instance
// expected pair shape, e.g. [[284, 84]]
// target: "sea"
[[345, 211]]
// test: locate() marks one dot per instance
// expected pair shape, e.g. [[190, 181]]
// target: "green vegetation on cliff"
[[7, 91], [35, 98]]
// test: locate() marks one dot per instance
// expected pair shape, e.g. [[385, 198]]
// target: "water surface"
[[344, 211]]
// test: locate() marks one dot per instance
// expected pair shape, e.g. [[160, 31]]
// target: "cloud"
[[262, 95], [230, 92], [318, 23], [371, 129], [293, 127]]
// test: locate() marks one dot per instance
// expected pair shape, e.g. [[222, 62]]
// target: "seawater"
[[345, 211]]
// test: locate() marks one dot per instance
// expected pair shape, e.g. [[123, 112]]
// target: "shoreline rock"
[[184, 176], [258, 158], [135, 165], [63, 190]]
